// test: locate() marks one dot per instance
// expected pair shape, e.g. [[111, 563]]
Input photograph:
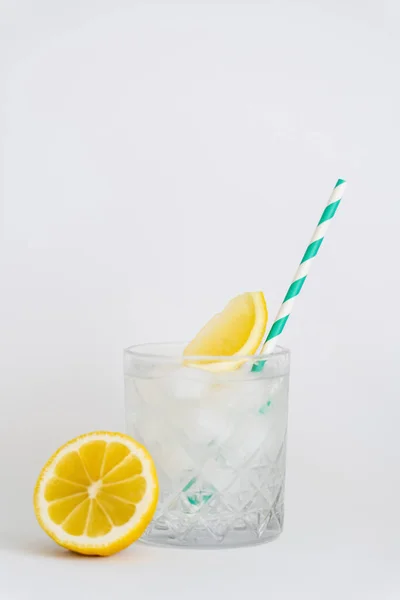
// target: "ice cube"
[[260, 420], [186, 384], [207, 426], [174, 460]]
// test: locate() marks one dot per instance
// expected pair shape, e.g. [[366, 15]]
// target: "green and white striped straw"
[[302, 272]]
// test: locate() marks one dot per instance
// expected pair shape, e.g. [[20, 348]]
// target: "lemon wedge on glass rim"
[[97, 493], [237, 331]]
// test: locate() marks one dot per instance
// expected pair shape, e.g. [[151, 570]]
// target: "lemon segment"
[[237, 331]]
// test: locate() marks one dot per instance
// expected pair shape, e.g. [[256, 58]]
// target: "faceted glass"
[[218, 439]]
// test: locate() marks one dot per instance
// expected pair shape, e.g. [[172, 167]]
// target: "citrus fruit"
[[237, 331], [97, 493]]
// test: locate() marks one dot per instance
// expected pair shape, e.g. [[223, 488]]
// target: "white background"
[[157, 160]]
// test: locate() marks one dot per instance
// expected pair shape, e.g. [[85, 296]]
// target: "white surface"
[[159, 159], [341, 541]]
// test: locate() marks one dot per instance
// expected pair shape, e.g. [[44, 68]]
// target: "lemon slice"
[[97, 493], [237, 331]]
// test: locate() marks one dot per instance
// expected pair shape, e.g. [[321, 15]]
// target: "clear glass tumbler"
[[218, 439]]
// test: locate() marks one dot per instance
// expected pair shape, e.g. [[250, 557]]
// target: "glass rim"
[[136, 351]]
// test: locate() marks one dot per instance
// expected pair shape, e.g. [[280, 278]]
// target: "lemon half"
[[97, 493]]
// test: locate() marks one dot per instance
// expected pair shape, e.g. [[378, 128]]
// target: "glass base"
[[233, 540], [209, 530]]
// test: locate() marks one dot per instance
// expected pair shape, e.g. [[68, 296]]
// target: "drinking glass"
[[217, 433]]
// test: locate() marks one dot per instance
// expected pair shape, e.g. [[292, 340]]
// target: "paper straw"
[[302, 272]]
